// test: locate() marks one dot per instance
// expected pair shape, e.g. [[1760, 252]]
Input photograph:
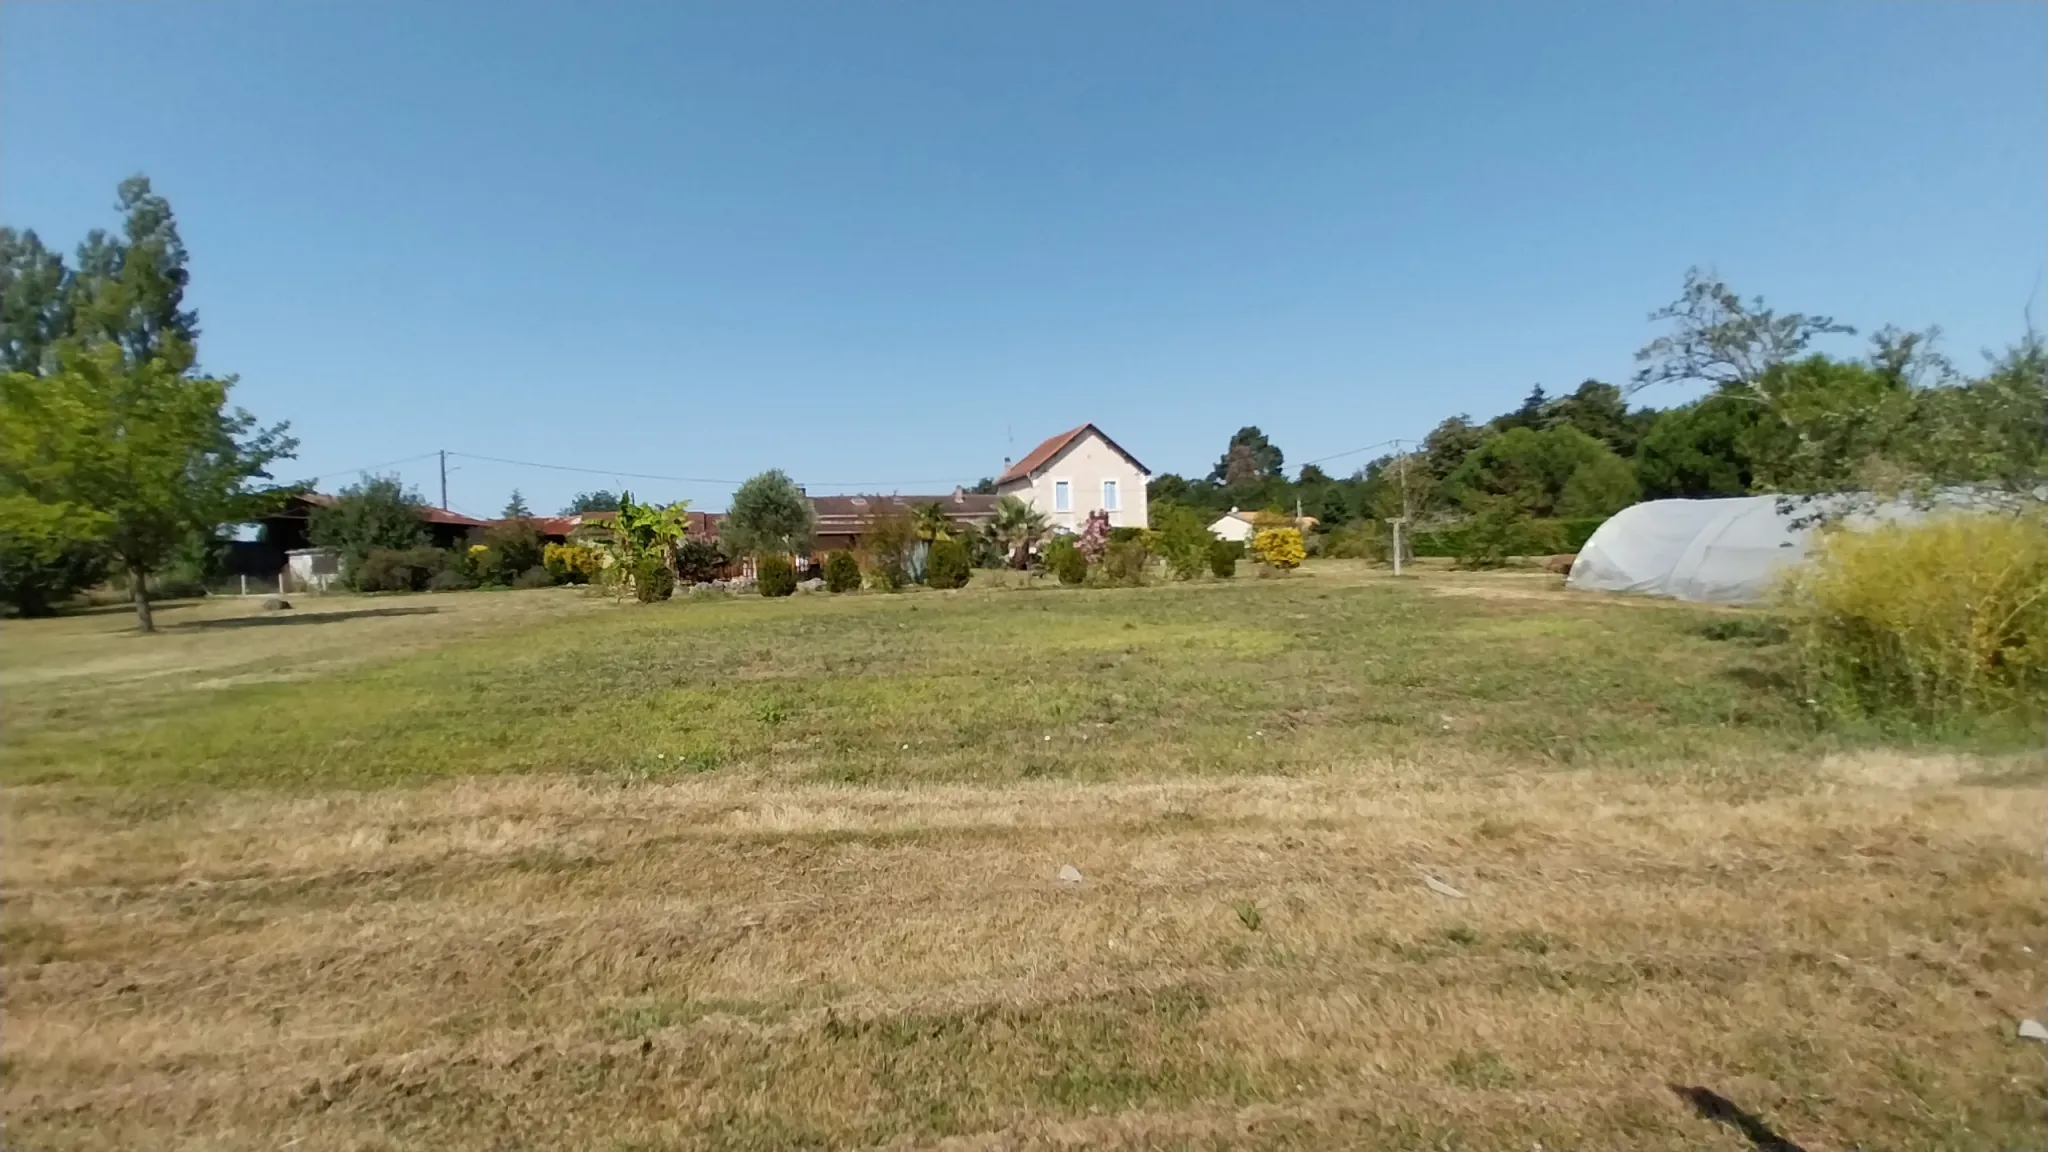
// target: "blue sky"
[[887, 244]]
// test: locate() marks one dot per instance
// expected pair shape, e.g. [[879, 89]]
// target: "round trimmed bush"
[[1223, 558], [1063, 558], [842, 572], [775, 575], [652, 580], [948, 566]]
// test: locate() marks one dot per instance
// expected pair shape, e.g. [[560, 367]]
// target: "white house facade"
[[1077, 472], [1234, 526]]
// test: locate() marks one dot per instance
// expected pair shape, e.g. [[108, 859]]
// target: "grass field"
[[535, 870]]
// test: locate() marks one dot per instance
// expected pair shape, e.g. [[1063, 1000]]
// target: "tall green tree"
[[1599, 410], [148, 455], [1532, 414], [1699, 450], [602, 500], [1830, 426], [515, 507], [1992, 430], [130, 290], [769, 515], [375, 512], [1447, 445], [35, 303], [1532, 470], [1250, 457]]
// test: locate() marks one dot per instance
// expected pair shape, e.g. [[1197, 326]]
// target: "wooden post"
[[1397, 544]]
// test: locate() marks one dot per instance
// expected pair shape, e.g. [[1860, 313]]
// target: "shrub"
[[842, 572], [1489, 537], [535, 577], [1182, 538], [516, 546], [378, 514], [1223, 556], [775, 575], [1279, 548], [450, 579], [1094, 539], [1063, 559], [1359, 540], [1125, 562], [949, 566], [1124, 535], [485, 566], [400, 570], [572, 563], [887, 539], [1923, 621], [699, 561], [652, 581], [40, 570]]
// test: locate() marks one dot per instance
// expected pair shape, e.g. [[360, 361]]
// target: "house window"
[[1109, 496], [1062, 496]]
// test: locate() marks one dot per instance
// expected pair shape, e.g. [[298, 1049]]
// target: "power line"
[[1352, 452], [369, 467], [617, 475]]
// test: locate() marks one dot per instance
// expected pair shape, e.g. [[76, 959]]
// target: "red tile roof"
[[1042, 455], [839, 515], [456, 519]]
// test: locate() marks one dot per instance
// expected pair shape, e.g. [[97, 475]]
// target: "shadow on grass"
[[1711, 1105], [289, 617], [1769, 681], [126, 608]]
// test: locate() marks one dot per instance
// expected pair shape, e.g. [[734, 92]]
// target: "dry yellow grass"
[[751, 959]]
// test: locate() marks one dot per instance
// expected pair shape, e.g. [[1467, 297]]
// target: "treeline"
[[1776, 417]]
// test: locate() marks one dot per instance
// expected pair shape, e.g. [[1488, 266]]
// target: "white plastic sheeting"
[[1730, 551], [1721, 551]]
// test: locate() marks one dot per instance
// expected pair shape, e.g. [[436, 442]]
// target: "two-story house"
[[1075, 473]]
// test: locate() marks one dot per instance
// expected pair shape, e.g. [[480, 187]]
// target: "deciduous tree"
[[376, 512], [147, 454], [769, 514]]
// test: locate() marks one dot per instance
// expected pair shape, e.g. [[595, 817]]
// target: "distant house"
[[843, 519], [287, 529], [1242, 526], [1077, 472]]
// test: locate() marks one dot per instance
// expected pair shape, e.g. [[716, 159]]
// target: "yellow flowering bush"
[[572, 563], [1279, 548]]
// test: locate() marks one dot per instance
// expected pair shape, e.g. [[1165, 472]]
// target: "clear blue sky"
[[890, 243]]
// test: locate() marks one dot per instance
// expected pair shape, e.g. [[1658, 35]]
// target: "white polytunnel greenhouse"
[[1726, 551]]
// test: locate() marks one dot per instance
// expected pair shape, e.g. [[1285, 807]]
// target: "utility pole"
[[1401, 462], [444, 479]]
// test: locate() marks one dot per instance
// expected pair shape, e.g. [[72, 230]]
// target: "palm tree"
[[1016, 526], [933, 525]]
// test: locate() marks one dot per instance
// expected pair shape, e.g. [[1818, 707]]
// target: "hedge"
[[1448, 541]]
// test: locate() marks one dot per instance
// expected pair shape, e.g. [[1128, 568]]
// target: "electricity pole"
[[1400, 462], [444, 479]]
